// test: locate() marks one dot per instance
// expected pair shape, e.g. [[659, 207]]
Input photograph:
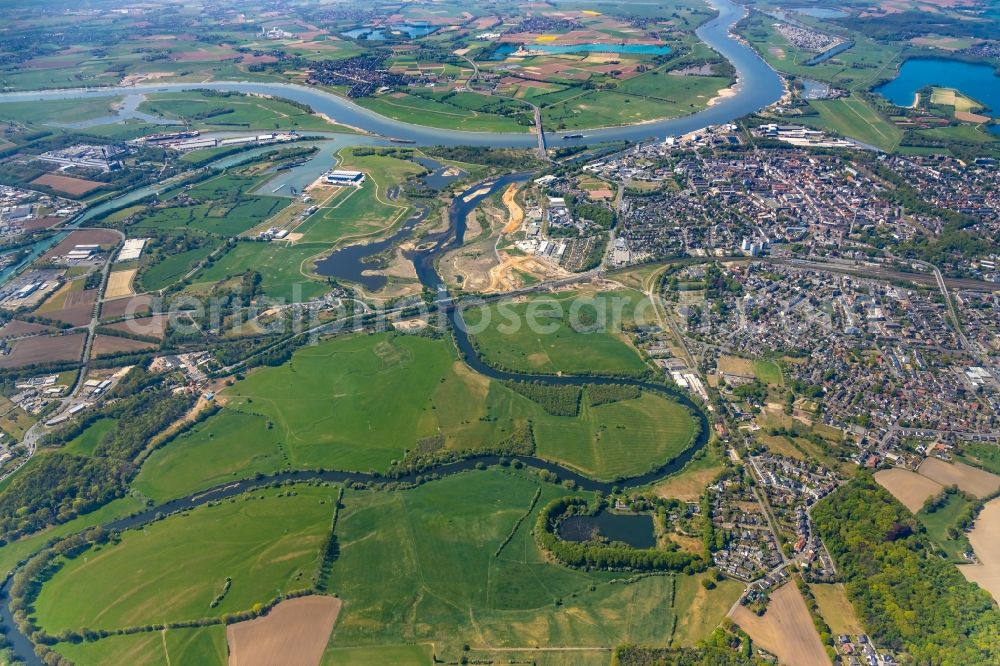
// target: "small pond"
[[634, 529]]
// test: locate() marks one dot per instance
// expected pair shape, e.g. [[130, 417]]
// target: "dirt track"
[[294, 633]]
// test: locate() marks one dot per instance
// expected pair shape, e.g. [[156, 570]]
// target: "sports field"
[[573, 332], [268, 544]]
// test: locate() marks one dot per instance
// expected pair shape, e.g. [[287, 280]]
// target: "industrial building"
[[341, 177]]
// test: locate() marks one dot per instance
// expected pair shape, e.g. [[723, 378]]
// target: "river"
[[432, 247], [757, 86]]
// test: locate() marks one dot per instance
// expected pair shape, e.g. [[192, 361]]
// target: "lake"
[[820, 12], [635, 530], [395, 31], [980, 82]]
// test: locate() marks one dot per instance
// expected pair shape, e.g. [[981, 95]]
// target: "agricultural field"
[[786, 629], [295, 631], [985, 540], [970, 479], [44, 349], [910, 488], [699, 610], [266, 543], [585, 338]]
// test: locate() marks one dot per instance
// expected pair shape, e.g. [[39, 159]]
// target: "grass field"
[[648, 97], [768, 372], [855, 118], [434, 113], [617, 439], [836, 608], [507, 338], [700, 611], [279, 266], [986, 456], [399, 655], [230, 445], [204, 645], [419, 566], [171, 269], [84, 443], [12, 553], [689, 484], [359, 403], [267, 544], [937, 525], [243, 112]]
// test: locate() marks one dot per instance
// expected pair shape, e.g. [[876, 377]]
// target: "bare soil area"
[[294, 633], [786, 629], [908, 487]]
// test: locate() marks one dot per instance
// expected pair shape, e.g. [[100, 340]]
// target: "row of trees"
[[558, 400]]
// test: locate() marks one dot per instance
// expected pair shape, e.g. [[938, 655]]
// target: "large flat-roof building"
[[342, 177]]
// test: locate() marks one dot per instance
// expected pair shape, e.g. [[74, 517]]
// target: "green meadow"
[[280, 267], [171, 570], [84, 443], [234, 112], [938, 523], [616, 439], [596, 344], [361, 402], [422, 565], [228, 446]]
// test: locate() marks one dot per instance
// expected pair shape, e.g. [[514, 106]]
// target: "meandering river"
[[758, 86]]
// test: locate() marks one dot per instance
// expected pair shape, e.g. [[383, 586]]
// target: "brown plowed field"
[[44, 349], [294, 633]]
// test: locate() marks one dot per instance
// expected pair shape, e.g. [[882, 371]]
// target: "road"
[[35, 433]]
